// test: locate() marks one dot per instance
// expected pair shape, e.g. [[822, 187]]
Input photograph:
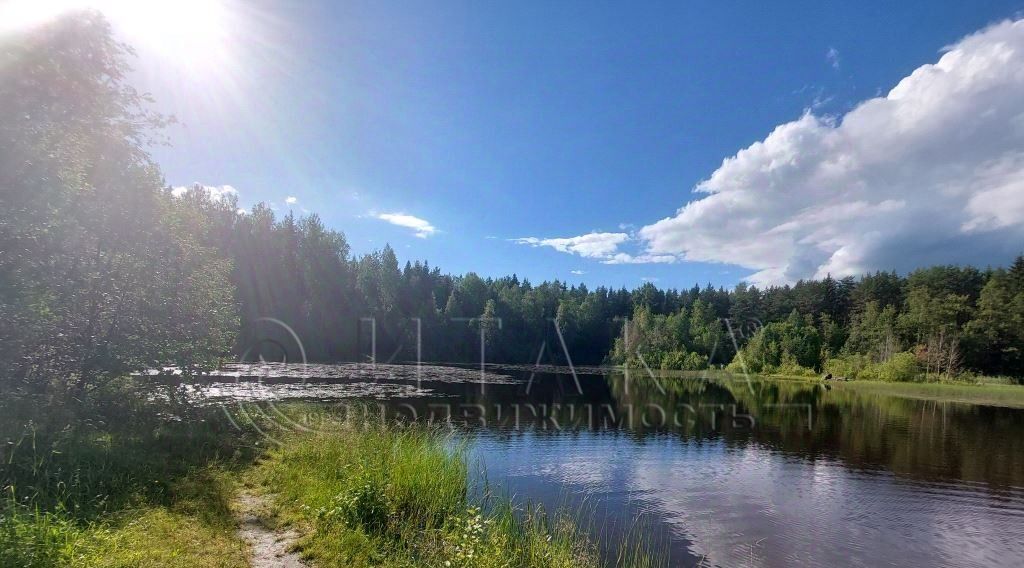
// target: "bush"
[[681, 361], [850, 366], [789, 366], [901, 367], [789, 347], [696, 362]]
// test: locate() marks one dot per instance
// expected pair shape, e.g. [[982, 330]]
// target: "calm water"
[[719, 472]]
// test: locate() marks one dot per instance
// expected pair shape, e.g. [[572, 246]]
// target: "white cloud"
[[624, 258], [421, 228], [291, 200], [832, 56], [216, 192], [602, 246], [578, 272], [933, 172]]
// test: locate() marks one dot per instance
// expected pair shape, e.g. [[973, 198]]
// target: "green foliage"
[[790, 347], [103, 272], [900, 367], [873, 332], [684, 340], [850, 366], [680, 361], [995, 337]]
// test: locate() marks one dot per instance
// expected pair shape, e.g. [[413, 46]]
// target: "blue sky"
[[494, 122]]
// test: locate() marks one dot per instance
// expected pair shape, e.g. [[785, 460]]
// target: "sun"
[[189, 33]]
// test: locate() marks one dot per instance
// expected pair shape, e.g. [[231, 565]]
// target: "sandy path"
[[269, 548]]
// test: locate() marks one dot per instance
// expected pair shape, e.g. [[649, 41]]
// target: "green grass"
[[972, 389], [118, 480], [398, 497], [988, 394], [195, 528], [152, 537]]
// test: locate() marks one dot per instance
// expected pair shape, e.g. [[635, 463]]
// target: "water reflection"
[[736, 473]]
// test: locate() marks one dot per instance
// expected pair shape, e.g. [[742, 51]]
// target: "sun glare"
[[189, 33]]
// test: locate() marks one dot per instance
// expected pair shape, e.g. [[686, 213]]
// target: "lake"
[[713, 471]]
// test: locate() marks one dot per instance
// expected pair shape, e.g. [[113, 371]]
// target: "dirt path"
[[270, 548]]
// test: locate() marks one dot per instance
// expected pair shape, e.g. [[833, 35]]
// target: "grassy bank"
[[989, 394], [124, 482], [994, 391], [385, 497], [986, 393], [990, 391]]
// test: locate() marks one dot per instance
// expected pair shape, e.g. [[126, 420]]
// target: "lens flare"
[[190, 33]]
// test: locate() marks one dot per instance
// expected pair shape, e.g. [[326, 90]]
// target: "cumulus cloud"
[[216, 192], [932, 172], [421, 227], [291, 200], [578, 272]]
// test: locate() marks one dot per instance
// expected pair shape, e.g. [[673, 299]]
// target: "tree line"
[[104, 270], [945, 319]]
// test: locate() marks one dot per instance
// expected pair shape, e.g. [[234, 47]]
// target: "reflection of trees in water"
[[923, 440], [927, 440]]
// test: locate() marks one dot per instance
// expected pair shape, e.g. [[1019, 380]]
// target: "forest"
[[106, 270], [942, 320]]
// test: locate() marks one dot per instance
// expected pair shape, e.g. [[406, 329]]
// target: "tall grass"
[[118, 480], [398, 496]]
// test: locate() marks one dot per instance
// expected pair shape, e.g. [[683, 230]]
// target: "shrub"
[[901, 367], [681, 361], [792, 347], [789, 366], [852, 366], [696, 362]]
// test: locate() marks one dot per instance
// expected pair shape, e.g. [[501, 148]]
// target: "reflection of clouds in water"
[[749, 506], [754, 507], [565, 460]]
